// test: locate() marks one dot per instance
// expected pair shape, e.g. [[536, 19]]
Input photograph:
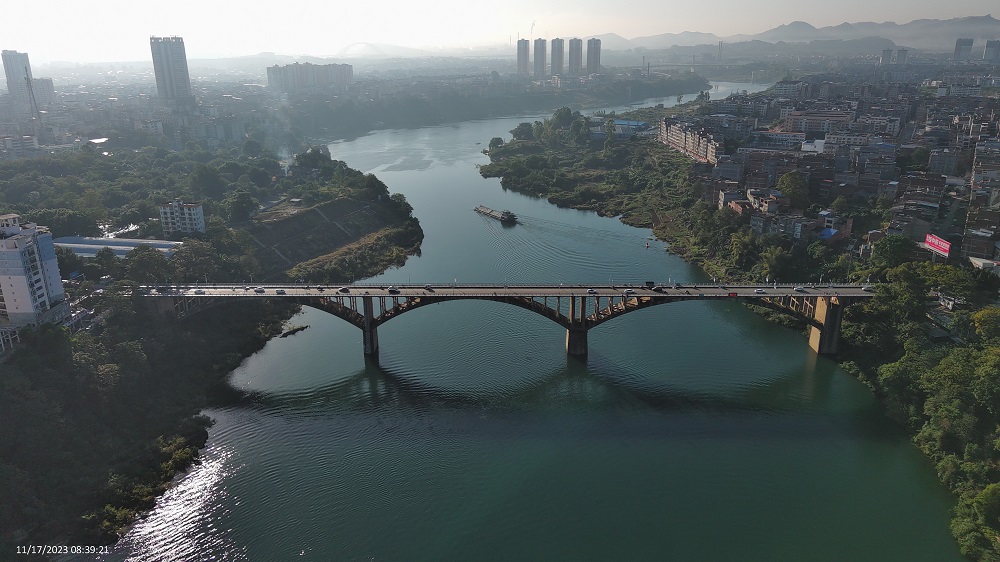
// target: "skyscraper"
[[522, 56], [173, 83], [575, 57], [886, 59], [540, 58], [558, 53], [18, 72], [992, 50], [901, 56], [963, 49], [593, 56]]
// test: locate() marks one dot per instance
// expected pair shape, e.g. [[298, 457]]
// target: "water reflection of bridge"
[[576, 308]]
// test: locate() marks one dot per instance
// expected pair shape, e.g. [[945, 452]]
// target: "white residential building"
[[31, 291], [177, 216]]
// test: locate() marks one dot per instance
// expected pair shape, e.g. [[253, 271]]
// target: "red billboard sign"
[[937, 244]]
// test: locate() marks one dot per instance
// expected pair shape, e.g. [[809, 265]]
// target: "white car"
[[629, 291], [759, 291], [591, 291]]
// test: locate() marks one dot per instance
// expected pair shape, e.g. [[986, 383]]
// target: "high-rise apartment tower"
[[31, 290], [593, 56], [992, 50], [18, 73], [558, 54], [540, 45], [170, 66], [963, 49], [522, 56], [575, 57]]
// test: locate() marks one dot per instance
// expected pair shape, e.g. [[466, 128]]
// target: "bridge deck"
[[477, 290]]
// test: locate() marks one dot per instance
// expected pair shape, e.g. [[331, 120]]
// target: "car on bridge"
[[393, 289], [759, 291], [279, 292], [344, 290], [591, 291], [199, 291], [629, 292], [259, 290], [800, 289]]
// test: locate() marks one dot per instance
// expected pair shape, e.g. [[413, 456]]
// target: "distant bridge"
[[577, 308]]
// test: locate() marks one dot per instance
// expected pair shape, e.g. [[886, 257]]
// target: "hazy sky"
[[119, 30]]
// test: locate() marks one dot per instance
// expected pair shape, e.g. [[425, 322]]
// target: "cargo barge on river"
[[505, 217]]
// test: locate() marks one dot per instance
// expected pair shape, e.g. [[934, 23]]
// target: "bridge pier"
[[576, 331], [576, 342], [829, 312], [369, 330]]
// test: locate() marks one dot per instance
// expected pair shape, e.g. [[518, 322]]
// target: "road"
[[484, 290]]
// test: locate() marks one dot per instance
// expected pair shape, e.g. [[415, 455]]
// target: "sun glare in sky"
[[118, 30]]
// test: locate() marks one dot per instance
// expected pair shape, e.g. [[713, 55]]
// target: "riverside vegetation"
[[319, 116], [946, 392], [94, 425]]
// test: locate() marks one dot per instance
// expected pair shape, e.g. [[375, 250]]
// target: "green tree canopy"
[[146, 264], [892, 251], [793, 186], [523, 131], [65, 222]]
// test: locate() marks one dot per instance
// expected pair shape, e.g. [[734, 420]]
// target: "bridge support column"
[[369, 330], [829, 312], [576, 342]]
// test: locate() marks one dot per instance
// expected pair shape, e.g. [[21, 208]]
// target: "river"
[[693, 431]]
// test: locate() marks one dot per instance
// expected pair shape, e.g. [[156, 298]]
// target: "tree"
[[562, 118], [794, 187], [66, 222], [522, 132], [496, 142], [892, 251], [195, 261], [69, 262], [774, 261], [207, 181], [840, 205], [146, 264], [253, 148], [107, 263], [987, 322], [239, 205]]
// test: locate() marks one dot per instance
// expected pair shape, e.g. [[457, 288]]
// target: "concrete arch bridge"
[[576, 308]]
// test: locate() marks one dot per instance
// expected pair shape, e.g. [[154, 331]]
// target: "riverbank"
[[920, 382], [106, 419], [344, 119]]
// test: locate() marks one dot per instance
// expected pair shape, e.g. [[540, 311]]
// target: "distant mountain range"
[[926, 35]]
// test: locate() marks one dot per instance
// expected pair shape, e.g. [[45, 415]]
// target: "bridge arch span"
[[574, 308]]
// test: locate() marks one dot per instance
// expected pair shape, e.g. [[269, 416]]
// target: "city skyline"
[[227, 28]]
